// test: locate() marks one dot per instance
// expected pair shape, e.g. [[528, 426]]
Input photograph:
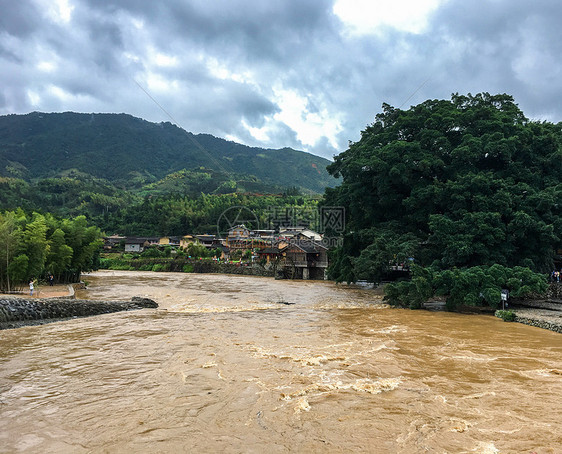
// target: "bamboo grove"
[[34, 246]]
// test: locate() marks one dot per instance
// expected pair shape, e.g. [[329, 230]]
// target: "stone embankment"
[[541, 318], [544, 312], [16, 312]]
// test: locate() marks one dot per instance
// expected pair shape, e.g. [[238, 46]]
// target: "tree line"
[[181, 214], [35, 245], [173, 208]]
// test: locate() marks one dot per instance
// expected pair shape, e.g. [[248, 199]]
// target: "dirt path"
[[43, 291]]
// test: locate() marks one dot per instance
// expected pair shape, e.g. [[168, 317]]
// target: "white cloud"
[[165, 60], [310, 127], [34, 98], [158, 83], [369, 16], [260, 134], [46, 66], [223, 72], [59, 11]]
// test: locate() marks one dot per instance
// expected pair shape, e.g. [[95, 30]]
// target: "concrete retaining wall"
[[205, 266]]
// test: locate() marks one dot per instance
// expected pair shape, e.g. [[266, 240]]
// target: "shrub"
[[187, 268], [120, 266], [152, 252], [506, 316], [105, 263], [475, 286]]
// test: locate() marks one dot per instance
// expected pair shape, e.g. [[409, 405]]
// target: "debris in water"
[[302, 405]]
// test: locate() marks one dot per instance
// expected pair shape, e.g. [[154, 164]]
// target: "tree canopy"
[[454, 183]]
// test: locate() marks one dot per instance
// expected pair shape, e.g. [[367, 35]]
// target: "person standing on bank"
[[51, 279], [31, 287]]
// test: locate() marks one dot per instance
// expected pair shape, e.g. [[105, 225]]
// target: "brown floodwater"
[[248, 364]]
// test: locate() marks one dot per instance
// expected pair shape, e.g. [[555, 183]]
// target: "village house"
[[186, 240], [111, 242], [136, 244], [169, 241], [270, 254], [238, 232], [206, 240], [300, 233], [297, 251], [242, 238], [139, 244], [152, 240], [264, 234], [305, 260]]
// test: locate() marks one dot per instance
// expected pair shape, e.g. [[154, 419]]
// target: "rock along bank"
[[17, 312]]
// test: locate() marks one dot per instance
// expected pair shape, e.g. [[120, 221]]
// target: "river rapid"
[[247, 364]]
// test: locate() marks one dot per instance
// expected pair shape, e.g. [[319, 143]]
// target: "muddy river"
[[246, 364]]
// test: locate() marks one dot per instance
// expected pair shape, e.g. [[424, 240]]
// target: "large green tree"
[[450, 183]]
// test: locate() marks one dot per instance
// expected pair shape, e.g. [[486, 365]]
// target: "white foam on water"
[[389, 330], [479, 395], [188, 308], [460, 426], [307, 358], [366, 385], [486, 448], [302, 405]]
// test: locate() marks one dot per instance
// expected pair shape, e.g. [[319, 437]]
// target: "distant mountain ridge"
[[121, 148]]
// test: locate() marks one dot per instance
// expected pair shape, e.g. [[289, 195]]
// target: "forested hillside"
[[129, 152]]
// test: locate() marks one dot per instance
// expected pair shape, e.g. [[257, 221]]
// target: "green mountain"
[[136, 154]]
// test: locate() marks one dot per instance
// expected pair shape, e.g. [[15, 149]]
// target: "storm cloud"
[[303, 74]]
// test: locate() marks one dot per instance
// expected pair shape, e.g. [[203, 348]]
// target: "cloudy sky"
[[306, 74]]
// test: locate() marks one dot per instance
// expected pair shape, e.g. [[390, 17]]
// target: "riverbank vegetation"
[[470, 286], [182, 263], [506, 316], [466, 192], [159, 259], [34, 246]]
